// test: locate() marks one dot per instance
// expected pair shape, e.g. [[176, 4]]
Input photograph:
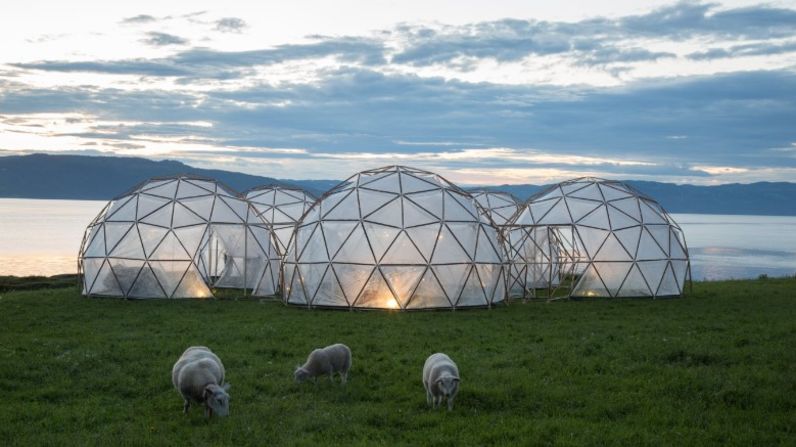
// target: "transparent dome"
[[500, 206], [395, 238], [602, 237], [281, 208], [176, 238]]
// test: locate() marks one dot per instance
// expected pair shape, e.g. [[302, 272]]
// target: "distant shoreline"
[[78, 177], [723, 213]]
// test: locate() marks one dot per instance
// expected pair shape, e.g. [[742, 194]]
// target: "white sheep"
[[198, 376], [329, 360], [440, 379]]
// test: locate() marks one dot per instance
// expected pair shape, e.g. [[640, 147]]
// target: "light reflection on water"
[[42, 237]]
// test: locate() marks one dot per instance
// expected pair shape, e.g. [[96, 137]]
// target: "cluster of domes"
[[387, 238]]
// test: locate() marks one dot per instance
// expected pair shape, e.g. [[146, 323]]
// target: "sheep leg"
[[186, 406], [208, 412]]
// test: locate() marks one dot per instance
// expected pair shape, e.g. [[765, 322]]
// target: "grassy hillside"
[[718, 367]]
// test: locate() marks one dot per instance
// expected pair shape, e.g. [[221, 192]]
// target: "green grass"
[[718, 367], [12, 283]]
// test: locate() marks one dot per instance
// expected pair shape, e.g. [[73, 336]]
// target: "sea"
[[42, 237]]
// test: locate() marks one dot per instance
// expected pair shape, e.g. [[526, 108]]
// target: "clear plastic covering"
[[395, 238], [602, 236], [281, 208], [176, 238], [500, 206]]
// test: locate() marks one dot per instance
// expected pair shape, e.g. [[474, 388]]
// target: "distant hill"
[[42, 176]]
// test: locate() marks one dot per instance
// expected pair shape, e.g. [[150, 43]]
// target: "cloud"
[[592, 41], [144, 67], [729, 120], [230, 25], [351, 49], [200, 63], [139, 19], [157, 39], [753, 49], [687, 19], [193, 15], [610, 50], [45, 38], [390, 95]]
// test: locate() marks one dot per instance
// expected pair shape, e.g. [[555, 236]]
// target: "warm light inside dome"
[[200, 292], [391, 303]]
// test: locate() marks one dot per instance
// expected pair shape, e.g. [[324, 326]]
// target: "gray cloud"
[[593, 41], [141, 18], [193, 15], [230, 25], [157, 39], [199, 63], [730, 119], [687, 19], [351, 49], [608, 55], [753, 49], [130, 66]]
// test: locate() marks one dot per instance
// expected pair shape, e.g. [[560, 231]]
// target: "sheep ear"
[[457, 380], [227, 386], [206, 393]]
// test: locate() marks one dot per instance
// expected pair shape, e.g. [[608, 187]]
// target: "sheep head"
[[301, 374], [448, 384], [217, 399]]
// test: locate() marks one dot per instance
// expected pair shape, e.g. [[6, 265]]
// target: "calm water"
[[724, 247], [42, 237]]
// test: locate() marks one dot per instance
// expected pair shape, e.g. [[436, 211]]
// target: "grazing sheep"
[[440, 379], [198, 375], [328, 360]]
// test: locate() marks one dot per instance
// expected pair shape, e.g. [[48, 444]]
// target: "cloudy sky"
[[483, 92]]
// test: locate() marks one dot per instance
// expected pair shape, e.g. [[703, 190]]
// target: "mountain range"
[[44, 176], [80, 177]]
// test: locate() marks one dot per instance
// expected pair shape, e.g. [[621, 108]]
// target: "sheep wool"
[[332, 359], [198, 375], [440, 379]]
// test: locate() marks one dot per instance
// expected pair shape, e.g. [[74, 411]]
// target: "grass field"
[[718, 367]]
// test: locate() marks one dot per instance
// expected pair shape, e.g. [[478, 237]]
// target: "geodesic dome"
[[394, 238], [175, 238], [500, 206], [281, 208], [603, 236]]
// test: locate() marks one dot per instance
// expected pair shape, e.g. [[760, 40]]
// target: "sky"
[[498, 92]]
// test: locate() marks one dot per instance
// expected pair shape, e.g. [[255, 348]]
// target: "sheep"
[[198, 376], [440, 379], [328, 360]]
